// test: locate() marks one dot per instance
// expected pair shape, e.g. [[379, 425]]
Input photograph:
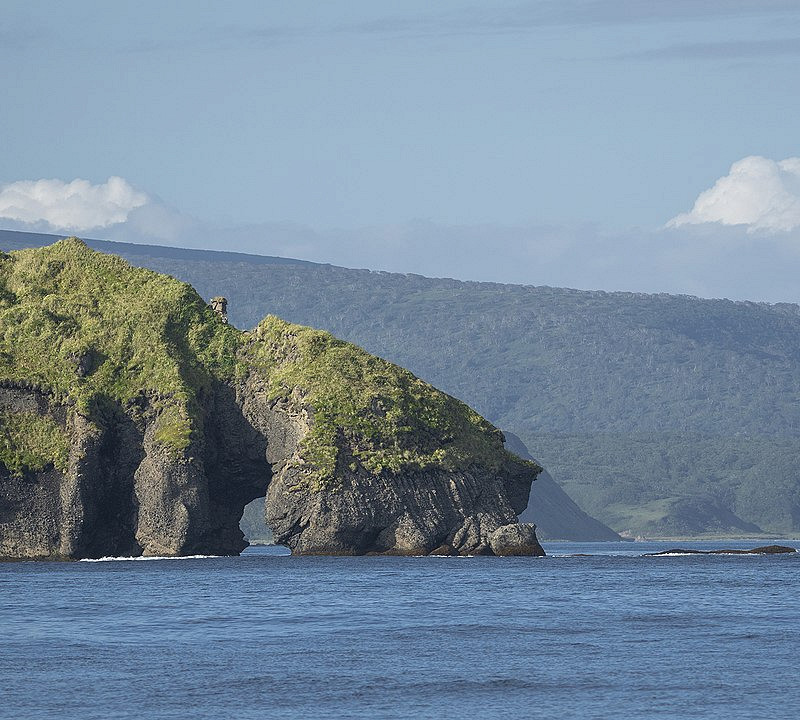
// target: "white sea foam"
[[149, 557]]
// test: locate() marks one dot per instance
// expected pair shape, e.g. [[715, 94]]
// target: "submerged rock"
[[445, 550], [765, 550], [156, 442]]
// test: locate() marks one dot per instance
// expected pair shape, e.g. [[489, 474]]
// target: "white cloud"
[[757, 192], [75, 206]]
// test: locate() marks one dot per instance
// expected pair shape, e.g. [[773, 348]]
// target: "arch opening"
[[254, 526]]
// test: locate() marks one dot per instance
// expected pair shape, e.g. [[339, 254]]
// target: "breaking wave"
[[149, 557]]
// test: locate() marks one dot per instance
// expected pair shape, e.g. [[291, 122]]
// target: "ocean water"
[[266, 635]]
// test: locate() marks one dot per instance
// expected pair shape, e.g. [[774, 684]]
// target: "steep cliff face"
[[121, 492], [356, 509], [133, 420], [372, 459]]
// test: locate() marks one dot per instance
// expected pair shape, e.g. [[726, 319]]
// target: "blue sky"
[[382, 132]]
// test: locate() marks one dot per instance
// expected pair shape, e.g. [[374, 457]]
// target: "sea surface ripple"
[[608, 635]]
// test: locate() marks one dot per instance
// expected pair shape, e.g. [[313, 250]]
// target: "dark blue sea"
[[266, 635]]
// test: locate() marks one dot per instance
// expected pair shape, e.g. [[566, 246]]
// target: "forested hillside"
[[660, 415]]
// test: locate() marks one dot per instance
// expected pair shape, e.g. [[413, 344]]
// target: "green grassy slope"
[[393, 420], [90, 329]]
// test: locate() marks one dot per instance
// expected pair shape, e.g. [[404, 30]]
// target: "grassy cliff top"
[[391, 419], [90, 328]]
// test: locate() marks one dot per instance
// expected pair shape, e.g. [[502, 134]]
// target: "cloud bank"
[[76, 206], [760, 193], [726, 246]]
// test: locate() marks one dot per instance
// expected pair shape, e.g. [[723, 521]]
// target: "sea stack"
[[134, 420]]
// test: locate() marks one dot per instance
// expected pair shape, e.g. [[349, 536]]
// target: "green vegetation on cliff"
[[90, 329], [29, 441], [393, 421]]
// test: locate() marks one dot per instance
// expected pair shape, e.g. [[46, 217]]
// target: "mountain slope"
[[556, 515]]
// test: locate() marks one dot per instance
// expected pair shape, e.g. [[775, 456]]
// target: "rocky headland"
[[135, 421]]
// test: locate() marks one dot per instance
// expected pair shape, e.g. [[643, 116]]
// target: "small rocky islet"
[[763, 550], [134, 420]]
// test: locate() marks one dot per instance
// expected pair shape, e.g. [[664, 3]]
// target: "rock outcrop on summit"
[[135, 421]]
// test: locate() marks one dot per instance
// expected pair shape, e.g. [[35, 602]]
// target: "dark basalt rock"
[[516, 539], [482, 550], [124, 495], [771, 550], [765, 550], [444, 550]]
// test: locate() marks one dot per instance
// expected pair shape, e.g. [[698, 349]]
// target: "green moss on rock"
[[392, 421], [32, 442], [88, 326], [173, 431]]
